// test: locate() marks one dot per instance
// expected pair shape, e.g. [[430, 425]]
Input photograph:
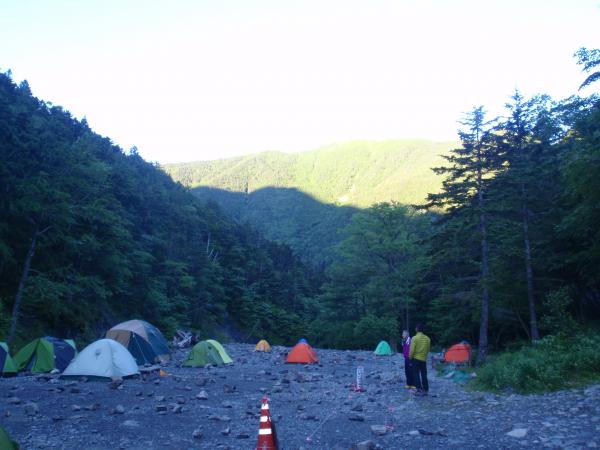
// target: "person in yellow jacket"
[[419, 349]]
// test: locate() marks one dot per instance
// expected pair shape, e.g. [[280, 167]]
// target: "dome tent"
[[207, 352], [262, 346], [383, 349], [143, 340], [7, 365], [45, 354], [302, 353], [458, 353], [103, 359]]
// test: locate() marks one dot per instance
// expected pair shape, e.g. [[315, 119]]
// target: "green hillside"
[[91, 236], [292, 198]]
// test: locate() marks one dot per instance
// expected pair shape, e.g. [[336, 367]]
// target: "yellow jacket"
[[419, 347]]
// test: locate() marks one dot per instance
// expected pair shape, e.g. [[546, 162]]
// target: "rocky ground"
[[313, 407]]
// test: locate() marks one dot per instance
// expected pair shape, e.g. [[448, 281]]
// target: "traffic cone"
[[267, 439]]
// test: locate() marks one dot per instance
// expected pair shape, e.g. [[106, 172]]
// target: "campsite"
[[313, 406]]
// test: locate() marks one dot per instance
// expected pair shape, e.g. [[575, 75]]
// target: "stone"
[[197, 434], [518, 433], [413, 433], [161, 407], [31, 409], [178, 409], [356, 418], [229, 389], [202, 395], [14, 400], [131, 424], [242, 435], [160, 398], [219, 418], [358, 407], [119, 409], [364, 445], [75, 408], [226, 431], [379, 430]]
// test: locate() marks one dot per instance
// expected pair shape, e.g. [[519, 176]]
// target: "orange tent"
[[458, 353], [302, 353]]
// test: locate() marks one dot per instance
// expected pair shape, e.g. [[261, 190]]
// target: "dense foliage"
[[303, 199], [552, 363], [90, 236]]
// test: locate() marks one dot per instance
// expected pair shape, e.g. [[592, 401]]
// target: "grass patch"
[[550, 364]]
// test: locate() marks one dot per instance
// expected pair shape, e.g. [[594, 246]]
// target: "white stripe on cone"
[[264, 419], [266, 431]]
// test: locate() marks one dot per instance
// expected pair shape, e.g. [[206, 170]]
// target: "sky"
[[194, 80]]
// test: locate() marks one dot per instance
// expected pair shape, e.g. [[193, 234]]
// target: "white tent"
[[105, 358]]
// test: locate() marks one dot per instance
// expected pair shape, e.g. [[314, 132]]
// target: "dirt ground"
[[312, 406]]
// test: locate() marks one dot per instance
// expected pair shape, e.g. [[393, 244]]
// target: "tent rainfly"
[[45, 354], [207, 352], [143, 340], [262, 346], [383, 349], [103, 359]]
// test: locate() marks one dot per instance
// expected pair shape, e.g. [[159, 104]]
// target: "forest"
[[502, 249]]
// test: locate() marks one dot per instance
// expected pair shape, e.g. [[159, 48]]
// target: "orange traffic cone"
[[267, 439]]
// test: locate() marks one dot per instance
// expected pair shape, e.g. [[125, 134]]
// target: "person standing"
[[419, 349], [408, 370]]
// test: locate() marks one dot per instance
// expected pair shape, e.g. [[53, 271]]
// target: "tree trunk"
[[485, 269], [19, 296], [485, 296], [535, 334]]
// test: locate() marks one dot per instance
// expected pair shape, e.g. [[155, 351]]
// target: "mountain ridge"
[[304, 199]]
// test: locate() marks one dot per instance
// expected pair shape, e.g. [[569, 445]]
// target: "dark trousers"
[[420, 373], [409, 372]]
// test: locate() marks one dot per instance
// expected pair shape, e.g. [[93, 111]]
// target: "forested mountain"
[[90, 236], [292, 197]]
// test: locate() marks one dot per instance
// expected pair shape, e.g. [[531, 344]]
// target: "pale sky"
[[199, 79]]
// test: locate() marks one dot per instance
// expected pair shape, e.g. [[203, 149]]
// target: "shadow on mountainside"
[[286, 215]]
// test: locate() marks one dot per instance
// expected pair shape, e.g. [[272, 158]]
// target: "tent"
[[103, 359], [143, 340], [302, 353], [458, 353], [383, 349], [5, 442], [45, 354], [207, 352], [262, 346], [7, 365]]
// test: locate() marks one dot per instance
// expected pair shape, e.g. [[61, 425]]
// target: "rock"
[[518, 433], [226, 431], [14, 400], [202, 395], [229, 389], [197, 434], [219, 418], [379, 430], [75, 408], [358, 407], [131, 423], [75, 390], [161, 407], [242, 436], [227, 405], [160, 398], [119, 409], [364, 445], [92, 407], [356, 418], [180, 400], [31, 409], [57, 418], [178, 409], [413, 433]]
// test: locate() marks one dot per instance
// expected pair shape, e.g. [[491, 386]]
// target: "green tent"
[[7, 365], [207, 352], [5, 442], [383, 349], [45, 354]]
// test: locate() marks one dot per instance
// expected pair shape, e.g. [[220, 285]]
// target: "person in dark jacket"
[[408, 370]]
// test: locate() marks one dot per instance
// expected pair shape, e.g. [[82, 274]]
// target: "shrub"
[[552, 363]]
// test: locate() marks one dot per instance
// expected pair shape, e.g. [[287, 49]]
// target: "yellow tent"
[[262, 346]]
